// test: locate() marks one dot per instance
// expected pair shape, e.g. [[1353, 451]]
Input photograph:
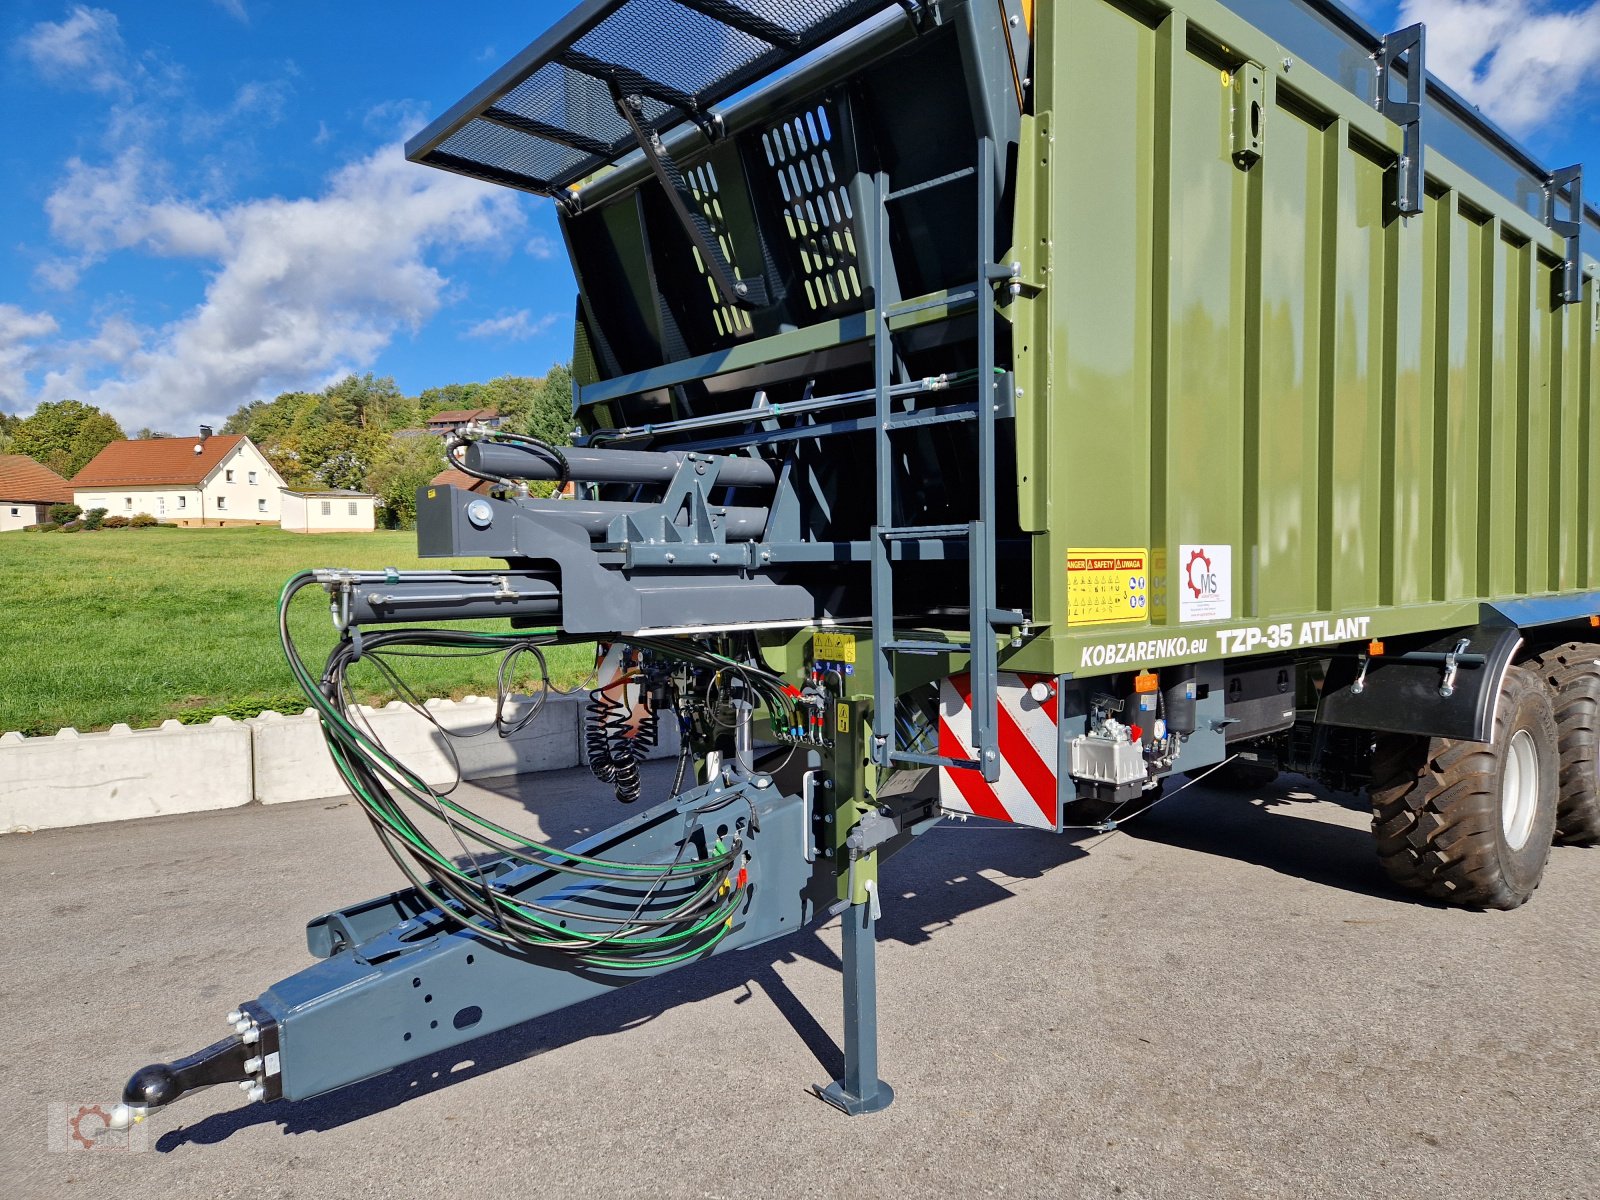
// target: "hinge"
[[1569, 281], [1249, 114], [1406, 113]]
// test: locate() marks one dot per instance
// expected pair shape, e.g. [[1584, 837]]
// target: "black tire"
[[1573, 673], [1239, 775], [1437, 804]]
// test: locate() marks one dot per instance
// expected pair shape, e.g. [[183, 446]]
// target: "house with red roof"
[[27, 490], [213, 479], [444, 422]]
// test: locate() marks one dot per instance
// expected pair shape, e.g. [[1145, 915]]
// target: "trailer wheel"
[[1468, 822], [1573, 672]]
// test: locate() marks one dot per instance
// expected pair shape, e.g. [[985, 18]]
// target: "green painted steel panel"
[[1386, 420]]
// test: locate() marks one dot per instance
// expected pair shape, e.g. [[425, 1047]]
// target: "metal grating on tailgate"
[[548, 119]]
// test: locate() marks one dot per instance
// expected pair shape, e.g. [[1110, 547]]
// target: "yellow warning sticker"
[[844, 718], [1108, 586], [834, 647], [433, 493]]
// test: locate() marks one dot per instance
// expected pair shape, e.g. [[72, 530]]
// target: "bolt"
[[252, 1065], [256, 1094], [1015, 21], [766, 556], [741, 287], [1288, 65], [242, 1024], [716, 558], [672, 558], [251, 1036], [235, 1017]]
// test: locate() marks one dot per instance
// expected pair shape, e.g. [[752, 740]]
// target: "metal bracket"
[[1452, 663], [742, 293], [1569, 283], [1407, 113], [1249, 114]]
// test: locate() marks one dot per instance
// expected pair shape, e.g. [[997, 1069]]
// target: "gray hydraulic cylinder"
[[594, 517], [504, 460], [513, 594]]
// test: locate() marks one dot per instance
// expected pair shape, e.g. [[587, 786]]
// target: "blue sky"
[[205, 201]]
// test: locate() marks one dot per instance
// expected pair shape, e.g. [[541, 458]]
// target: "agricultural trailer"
[[1003, 410]]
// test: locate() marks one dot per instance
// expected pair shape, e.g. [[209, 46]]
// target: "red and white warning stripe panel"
[[1026, 792]]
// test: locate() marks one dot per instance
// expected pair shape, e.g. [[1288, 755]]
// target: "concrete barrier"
[[80, 778], [292, 762]]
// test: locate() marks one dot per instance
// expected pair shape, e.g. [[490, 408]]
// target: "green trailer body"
[[1237, 340]]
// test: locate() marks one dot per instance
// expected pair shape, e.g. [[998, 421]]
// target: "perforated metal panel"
[[817, 211], [548, 118], [704, 188]]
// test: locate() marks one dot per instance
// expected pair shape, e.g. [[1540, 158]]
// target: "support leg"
[[860, 1091]]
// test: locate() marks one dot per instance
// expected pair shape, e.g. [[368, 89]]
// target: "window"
[[261, 505], [222, 504], [252, 478], [183, 502], [327, 508], [16, 512], [228, 475], [352, 508], [127, 503]]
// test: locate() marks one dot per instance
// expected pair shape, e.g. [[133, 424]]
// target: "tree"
[[366, 402], [65, 434], [403, 465], [8, 429], [551, 417], [146, 434]]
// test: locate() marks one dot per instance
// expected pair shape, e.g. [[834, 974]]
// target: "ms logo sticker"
[[1205, 585]]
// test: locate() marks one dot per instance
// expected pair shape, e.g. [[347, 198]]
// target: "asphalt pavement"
[[1227, 1000]]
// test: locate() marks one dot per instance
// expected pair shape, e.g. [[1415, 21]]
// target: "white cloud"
[[1518, 60], [98, 210], [302, 288], [235, 9], [515, 326], [20, 332], [541, 247], [257, 103], [85, 50]]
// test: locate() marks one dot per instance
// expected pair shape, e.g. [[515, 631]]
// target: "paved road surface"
[[1230, 1003]]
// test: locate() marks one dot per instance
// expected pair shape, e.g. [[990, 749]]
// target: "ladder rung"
[[927, 184], [941, 416], [914, 647], [934, 760], [920, 533]]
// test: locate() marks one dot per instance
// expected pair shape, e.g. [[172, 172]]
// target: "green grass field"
[[142, 625]]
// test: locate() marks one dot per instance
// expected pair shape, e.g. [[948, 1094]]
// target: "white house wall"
[[14, 514], [243, 498], [303, 514]]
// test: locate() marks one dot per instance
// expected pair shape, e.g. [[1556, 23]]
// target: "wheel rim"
[[1519, 789]]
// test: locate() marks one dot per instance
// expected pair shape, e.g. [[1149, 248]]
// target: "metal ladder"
[[890, 541]]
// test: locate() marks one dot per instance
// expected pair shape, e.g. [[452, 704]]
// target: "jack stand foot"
[[851, 1105], [860, 1091]]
